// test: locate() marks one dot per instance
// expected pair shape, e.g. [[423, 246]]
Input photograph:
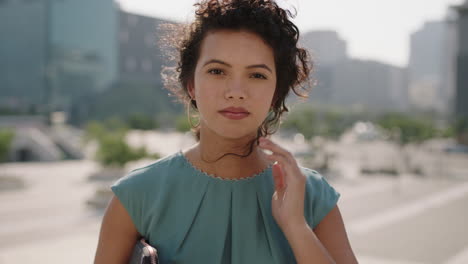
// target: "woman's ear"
[[191, 89]]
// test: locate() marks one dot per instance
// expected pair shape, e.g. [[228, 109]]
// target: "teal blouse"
[[193, 217]]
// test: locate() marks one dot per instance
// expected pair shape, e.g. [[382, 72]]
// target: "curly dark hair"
[[262, 17]]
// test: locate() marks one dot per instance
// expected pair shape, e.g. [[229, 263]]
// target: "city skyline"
[[349, 19]]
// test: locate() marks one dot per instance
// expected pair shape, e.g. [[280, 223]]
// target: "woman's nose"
[[235, 89]]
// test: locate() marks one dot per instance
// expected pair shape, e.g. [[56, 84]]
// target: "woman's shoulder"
[[152, 172], [315, 180], [320, 197], [160, 164], [313, 177]]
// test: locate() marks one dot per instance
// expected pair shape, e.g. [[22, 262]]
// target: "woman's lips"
[[233, 115]]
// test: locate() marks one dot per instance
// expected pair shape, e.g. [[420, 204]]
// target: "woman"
[[225, 200]]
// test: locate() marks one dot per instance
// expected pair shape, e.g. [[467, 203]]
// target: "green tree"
[[6, 137], [113, 150], [311, 122], [408, 129], [141, 121], [303, 121], [334, 123], [115, 124], [182, 124], [95, 129]]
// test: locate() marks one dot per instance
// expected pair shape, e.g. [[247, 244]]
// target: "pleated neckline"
[[213, 177]]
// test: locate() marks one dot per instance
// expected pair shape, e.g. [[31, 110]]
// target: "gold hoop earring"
[[190, 118]]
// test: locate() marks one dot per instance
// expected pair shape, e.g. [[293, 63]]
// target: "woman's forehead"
[[241, 46]]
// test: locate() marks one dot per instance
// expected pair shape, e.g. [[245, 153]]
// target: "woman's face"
[[234, 69]]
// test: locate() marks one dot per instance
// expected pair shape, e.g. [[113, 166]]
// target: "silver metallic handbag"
[[144, 253]]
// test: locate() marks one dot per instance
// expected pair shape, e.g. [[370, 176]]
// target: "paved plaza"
[[390, 219]]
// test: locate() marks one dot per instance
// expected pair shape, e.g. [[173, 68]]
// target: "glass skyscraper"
[[55, 53]]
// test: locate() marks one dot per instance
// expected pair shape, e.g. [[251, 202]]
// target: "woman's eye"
[[258, 76], [216, 71]]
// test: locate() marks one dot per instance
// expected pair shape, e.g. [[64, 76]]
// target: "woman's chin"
[[237, 134], [230, 132]]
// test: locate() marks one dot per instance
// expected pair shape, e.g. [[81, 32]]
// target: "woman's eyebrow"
[[217, 61], [259, 66], [229, 65]]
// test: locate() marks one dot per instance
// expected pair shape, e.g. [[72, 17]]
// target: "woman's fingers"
[[286, 169], [284, 157], [289, 183], [279, 158], [270, 145], [278, 176]]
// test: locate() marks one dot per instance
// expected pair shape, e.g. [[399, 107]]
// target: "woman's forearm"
[[306, 246]]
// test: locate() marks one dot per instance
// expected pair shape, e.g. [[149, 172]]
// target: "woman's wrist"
[[296, 227], [306, 246]]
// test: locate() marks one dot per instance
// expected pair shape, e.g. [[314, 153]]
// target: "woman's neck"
[[209, 155]]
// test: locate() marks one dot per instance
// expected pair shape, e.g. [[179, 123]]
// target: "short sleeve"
[[129, 190], [320, 198]]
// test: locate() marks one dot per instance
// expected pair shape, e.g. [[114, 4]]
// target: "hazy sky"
[[373, 29]]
